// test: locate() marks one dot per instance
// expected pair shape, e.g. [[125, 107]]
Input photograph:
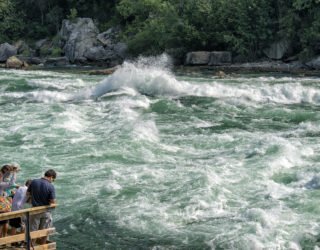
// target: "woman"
[[8, 175]]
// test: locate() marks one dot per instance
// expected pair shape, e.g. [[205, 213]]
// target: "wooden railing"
[[28, 236]]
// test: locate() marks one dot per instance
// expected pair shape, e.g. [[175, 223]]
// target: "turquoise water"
[[151, 159]]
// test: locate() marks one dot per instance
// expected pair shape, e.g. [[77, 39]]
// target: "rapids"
[[149, 158]]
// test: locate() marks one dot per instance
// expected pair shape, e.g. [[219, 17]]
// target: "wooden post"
[[27, 231]]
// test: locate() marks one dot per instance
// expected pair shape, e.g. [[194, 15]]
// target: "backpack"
[[5, 204]]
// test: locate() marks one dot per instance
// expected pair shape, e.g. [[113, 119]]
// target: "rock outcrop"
[[57, 61], [214, 58], [314, 63], [6, 51], [220, 58], [197, 58], [277, 50], [77, 37], [83, 43], [14, 63]]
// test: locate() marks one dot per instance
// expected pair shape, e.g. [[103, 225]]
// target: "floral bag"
[[5, 204]]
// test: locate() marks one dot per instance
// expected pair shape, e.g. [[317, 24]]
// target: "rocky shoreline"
[[79, 43]]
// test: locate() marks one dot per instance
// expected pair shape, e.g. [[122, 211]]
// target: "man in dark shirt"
[[42, 193]]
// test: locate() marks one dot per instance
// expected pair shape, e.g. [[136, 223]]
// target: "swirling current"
[[149, 158]]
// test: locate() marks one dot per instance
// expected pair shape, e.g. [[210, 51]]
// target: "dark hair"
[[28, 182], [5, 168], [9, 167], [50, 173]]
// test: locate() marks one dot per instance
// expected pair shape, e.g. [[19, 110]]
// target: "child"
[[18, 202]]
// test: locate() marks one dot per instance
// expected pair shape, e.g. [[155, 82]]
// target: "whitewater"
[[153, 158]]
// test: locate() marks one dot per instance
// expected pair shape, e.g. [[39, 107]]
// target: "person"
[[8, 173], [42, 193], [18, 202]]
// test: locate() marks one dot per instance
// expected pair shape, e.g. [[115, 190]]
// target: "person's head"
[[51, 175], [28, 182], [8, 168], [5, 168]]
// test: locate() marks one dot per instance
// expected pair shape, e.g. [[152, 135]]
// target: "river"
[[148, 158]]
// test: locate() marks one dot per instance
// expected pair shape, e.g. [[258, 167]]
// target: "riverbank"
[[296, 68]]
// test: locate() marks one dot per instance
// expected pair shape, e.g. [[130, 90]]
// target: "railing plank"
[[32, 210], [49, 245], [21, 237]]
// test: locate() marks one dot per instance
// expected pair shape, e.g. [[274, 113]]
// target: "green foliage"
[[56, 52], [44, 51], [53, 18], [245, 27], [11, 23], [73, 14]]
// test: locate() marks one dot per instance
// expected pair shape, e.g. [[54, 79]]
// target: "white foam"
[[146, 130], [47, 96], [72, 120], [158, 80]]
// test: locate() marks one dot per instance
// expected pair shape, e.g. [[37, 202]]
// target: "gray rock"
[[314, 63], [277, 50], [78, 37], [197, 58], [314, 183], [108, 38], [99, 53], [40, 43], [220, 58], [6, 51], [57, 61], [23, 48], [105, 38], [120, 49], [30, 59], [34, 60]]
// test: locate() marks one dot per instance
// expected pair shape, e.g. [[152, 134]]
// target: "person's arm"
[[52, 196], [13, 178], [28, 197], [28, 194], [52, 201], [11, 182]]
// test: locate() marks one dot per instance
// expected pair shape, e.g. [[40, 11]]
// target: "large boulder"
[[314, 63], [6, 51], [277, 50], [220, 58], [197, 58], [23, 48], [120, 49], [99, 53], [109, 37], [77, 37], [14, 63], [109, 40]]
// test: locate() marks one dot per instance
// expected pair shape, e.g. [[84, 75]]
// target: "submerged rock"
[[107, 71], [314, 183]]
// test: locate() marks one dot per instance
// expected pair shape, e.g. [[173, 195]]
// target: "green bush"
[[56, 52], [73, 14]]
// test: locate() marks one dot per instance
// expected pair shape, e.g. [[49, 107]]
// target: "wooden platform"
[[25, 239]]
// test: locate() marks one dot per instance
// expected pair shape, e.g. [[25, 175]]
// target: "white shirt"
[[20, 198]]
